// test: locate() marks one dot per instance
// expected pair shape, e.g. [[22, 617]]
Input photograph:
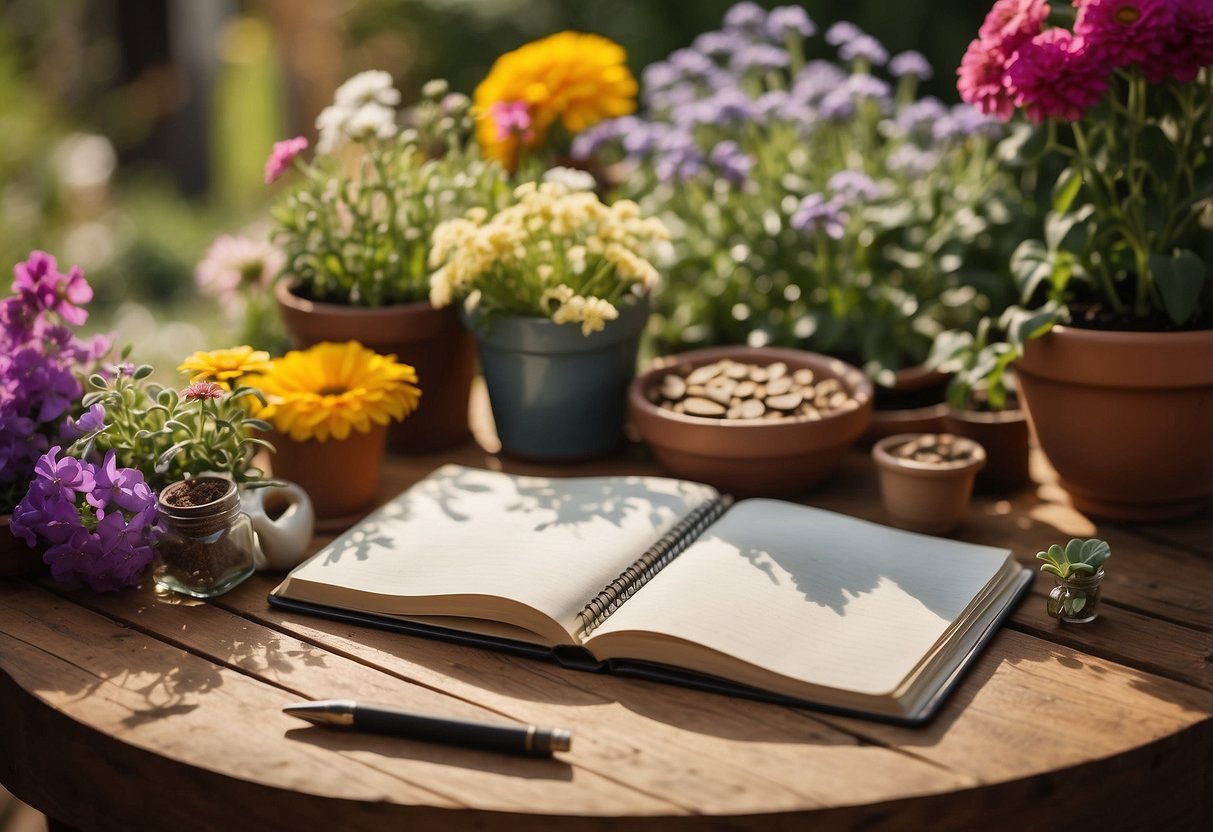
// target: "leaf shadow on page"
[[570, 503]]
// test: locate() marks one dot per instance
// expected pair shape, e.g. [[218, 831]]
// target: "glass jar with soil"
[[208, 546]]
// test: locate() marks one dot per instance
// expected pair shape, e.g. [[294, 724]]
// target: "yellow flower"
[[330, 389], [225, 365], [578, 78]]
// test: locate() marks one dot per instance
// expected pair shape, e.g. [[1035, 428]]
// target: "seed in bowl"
[[728, 389]]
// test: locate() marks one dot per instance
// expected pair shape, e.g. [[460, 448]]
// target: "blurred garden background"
[[132, 132]]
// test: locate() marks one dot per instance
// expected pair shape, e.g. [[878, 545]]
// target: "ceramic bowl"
[[750, 457]]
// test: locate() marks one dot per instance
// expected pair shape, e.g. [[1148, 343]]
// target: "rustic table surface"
[[140, 711]]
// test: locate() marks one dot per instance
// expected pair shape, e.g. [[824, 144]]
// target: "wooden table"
[[139, 711]]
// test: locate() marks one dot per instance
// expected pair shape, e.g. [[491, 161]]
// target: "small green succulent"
[[1080, 558]]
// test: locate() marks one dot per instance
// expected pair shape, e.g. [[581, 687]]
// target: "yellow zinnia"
[[578, 78], [330, 389], [224, 365]]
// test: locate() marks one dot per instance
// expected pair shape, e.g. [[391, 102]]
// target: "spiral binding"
[[658, 556]]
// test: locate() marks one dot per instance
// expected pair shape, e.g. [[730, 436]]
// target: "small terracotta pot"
[[1124, 418], [1004, 436], [914, 404], [340, 475], [749, 458], [430, 340], [926, 497], [16, 558]]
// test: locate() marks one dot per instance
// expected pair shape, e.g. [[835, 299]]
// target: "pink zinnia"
[[1055, 75], [981, 80], [202, 390], [1189, 44], [281, 156], [1011, 23], [1125, 32]]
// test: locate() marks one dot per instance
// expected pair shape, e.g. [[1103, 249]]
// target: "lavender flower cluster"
[[41, 361], [100, 521]]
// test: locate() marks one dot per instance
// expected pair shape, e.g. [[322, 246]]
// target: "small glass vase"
[[207, 547], [1075, 600]]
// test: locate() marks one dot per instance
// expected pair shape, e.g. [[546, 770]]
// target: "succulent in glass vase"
[[815, 200], [1078, 570]]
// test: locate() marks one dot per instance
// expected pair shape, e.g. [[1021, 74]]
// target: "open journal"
[[667, 579]]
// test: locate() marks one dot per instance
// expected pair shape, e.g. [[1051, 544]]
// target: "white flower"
[[331, 126], [371, 121], [370, 87], [571, 178]]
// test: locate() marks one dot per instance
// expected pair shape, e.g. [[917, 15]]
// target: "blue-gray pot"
[[558, 395]]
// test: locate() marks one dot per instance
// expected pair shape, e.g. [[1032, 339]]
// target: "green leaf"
[[1031, 265], [950, 351], [1089, 553], [1179, 280], [1067, 187], [97, 380]]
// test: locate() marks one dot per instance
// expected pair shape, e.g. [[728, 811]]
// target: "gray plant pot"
[[558, 395]]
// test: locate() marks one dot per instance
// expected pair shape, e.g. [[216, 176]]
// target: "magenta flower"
[[512, 117], [280, 158], [1125, 32], [1056, 75], [1188, 47], [202, 390], [40, 285], [981, 80], [1012, 23]]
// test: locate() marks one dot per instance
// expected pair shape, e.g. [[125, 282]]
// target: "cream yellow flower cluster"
[[555, 252]]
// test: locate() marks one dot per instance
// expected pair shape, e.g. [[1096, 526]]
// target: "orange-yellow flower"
[[224, 365], [330, 389], [575, 77]]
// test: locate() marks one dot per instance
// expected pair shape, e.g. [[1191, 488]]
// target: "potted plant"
[[1078, 572], [43, 363], [1116, 366], [926, 479], [816, 200], [983, 404], [555, 288], [355, 229], [329, 407]]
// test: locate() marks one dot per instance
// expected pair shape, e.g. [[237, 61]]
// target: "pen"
[[512, 739]]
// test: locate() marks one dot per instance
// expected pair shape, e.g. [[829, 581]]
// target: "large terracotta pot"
[[430, 340], [1125, 418], [340, 475]]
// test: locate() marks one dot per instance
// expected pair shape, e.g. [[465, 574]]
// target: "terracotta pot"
[[16, 557], [1124, 417], [558, 395], [430, 340], [929, 497], [341, 476], [1004, 436], [914, 404], [748, 458]]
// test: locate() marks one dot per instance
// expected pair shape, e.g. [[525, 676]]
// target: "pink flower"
[[512, 117], [981, 80], [1126, 31], [1011, 23], [1188, 47], [201, 390], [281, 156], [42, 287], [1056, 75], [232, 264]]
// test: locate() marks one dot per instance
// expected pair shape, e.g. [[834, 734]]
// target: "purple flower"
[[815, 80], [853, 185], [762, 57], [677, 159], [910, 63], [719, 44], [281, 156], [89, 421], [963, 121], [816, 213], [640, 141], [659, 75], [69, 474], [921, 113], [731, 161], [745, 17], [726, 106], [867, 86], [691, 64], [44, 512], [864, 48], [784, 21], [40, 285], [123, 487], [837, 105], [912, 161], [842, 32]]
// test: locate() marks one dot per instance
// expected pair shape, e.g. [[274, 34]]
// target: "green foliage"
[[167, 436], [1078, 559]]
